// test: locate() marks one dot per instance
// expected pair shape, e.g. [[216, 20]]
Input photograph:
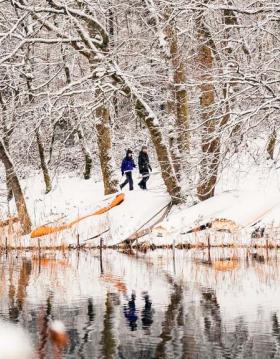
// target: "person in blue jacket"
[[127, 167]]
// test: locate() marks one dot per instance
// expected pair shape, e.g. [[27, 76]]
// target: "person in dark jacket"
[[127, 167], [144, 167]]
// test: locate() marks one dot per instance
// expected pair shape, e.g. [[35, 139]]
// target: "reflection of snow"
[[135, 297], [250, 290]]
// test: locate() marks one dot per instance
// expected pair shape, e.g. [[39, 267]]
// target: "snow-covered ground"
[[246, 198], [74, 197]]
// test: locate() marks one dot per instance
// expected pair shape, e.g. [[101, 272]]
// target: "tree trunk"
[[9, 189], [86, 152], [163, 156], [177, 105], [43, 162], [44, 166], [210, 140], [271, 144], [40, 145], [6, 139], [8, 182], [174, 153], [29, 79], [179, 90], [16, 188], [104, 143]]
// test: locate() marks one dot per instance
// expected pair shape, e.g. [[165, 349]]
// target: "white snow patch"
[[14, 342]]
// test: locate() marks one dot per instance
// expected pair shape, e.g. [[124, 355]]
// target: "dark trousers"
[[128, 180], [144, 180]]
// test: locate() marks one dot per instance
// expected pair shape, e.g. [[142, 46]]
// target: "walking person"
[[127, 167], [144, 167]]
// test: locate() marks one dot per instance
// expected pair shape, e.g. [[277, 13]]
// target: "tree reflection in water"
[[108, 341], [222, 307]]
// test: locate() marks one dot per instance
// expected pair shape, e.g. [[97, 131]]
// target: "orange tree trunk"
[[210, 138], [104, 143]]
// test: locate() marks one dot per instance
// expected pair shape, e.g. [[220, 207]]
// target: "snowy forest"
[[197, 81], [185, 267]]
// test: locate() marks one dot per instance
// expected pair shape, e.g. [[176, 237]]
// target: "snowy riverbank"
[[230, 218]]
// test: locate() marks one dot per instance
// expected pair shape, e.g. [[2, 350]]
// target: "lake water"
[[163, 304]]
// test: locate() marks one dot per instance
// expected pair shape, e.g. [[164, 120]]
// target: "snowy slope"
[[251, 207], [245, 198], [272, 217], [72, 198], [202, 213], [135, 213]]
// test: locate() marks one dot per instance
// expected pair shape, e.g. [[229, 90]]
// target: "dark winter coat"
[[127, 164], [144, 163]]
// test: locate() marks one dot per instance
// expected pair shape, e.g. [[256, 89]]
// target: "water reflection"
[[147, 312], [130, 312], [16, 299], [218, 304], [108, 341]]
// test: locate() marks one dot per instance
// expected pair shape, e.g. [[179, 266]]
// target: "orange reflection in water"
[[115, 281]]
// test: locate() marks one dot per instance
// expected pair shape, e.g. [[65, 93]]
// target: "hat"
[[129, 151]]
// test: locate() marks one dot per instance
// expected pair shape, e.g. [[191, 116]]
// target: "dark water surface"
[[187, 304]]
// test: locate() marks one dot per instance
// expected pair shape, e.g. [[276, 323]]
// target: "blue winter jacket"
[[127, 164]]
